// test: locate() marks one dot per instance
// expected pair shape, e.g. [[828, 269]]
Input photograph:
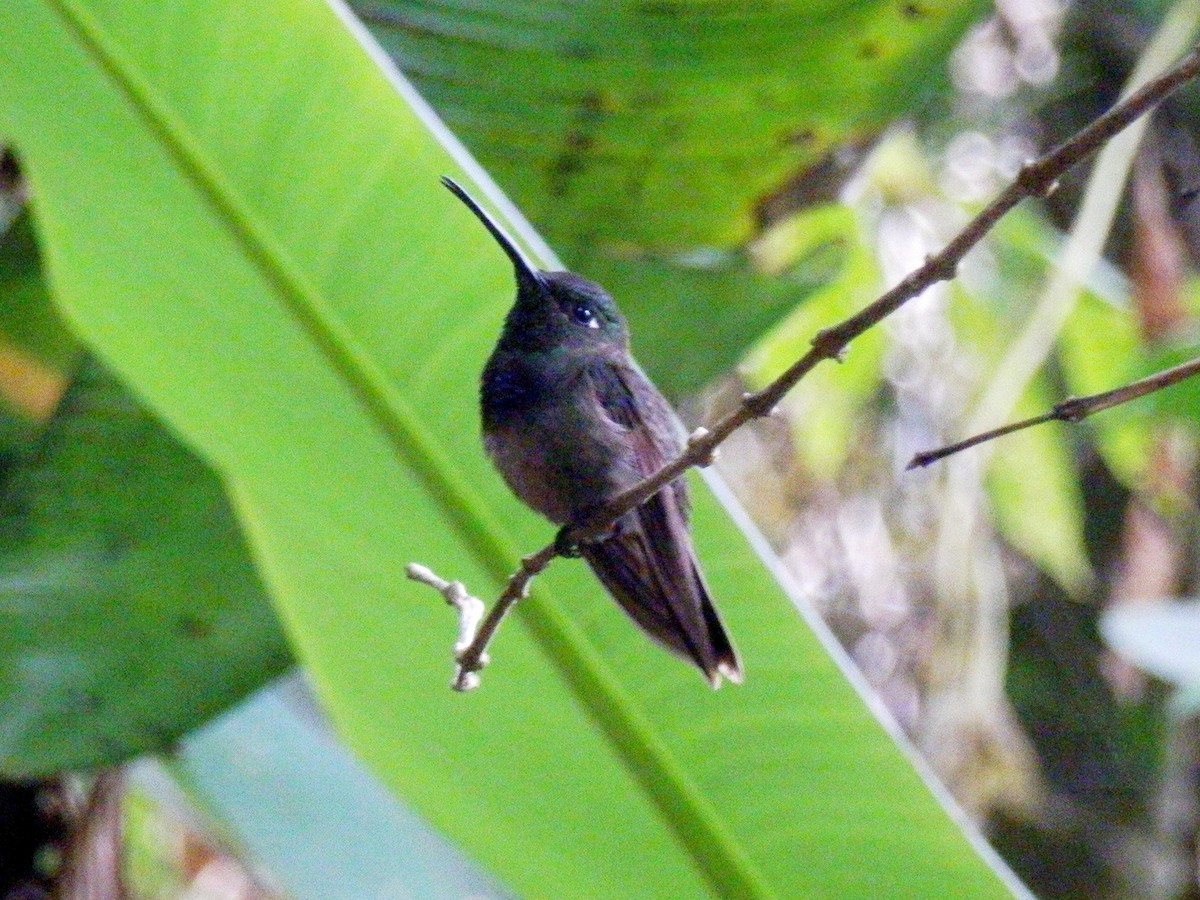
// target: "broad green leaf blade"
[[288, 285], [28, 319], [665, 124], [35, 347], [104, 511], [129, 609]]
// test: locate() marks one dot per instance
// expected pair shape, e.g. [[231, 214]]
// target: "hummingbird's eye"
[[582, 313]]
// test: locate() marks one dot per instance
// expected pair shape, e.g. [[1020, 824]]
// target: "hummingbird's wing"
[[649, 564]]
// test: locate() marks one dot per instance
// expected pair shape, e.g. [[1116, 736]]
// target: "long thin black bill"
[[527, 272]]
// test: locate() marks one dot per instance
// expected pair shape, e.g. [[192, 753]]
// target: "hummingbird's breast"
[[550, 439]]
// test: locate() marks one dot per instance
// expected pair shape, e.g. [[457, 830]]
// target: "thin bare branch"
[[1073, 409], [1036, 178], [470, 650]]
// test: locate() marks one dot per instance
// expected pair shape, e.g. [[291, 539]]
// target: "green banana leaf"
[[665, 124], [240, 214], [639, 136], [27, 316], [129, 608]]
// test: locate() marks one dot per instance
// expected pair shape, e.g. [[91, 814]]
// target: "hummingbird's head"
[[553, 309], [573, 312]]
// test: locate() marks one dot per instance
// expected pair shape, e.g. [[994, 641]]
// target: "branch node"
[[758, 404], [830, 343], [1073, 409], [942, 266], [566, 544], [707, 457], [1037, 179]]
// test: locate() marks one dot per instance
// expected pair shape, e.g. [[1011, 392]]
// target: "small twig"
[[470, 650], [1073, 409], [1035, 179], [470, 609]]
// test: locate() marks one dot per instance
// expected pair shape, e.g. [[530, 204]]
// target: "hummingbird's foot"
[[565, 544]]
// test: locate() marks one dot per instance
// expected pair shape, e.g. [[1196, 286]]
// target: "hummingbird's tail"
[[650, 568]]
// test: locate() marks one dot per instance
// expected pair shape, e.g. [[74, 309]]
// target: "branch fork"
[[475, 631]]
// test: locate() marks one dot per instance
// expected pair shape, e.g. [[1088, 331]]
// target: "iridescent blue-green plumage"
[[570, 420]]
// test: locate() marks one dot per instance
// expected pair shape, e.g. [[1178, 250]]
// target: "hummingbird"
[[570, 420]]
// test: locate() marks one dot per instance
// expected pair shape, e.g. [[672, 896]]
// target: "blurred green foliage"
[[130, 611]]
